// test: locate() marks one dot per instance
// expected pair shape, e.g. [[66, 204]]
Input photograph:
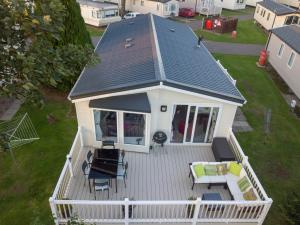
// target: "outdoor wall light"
[[163, 108]]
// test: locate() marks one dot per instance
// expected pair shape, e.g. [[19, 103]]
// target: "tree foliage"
[[35, 51]]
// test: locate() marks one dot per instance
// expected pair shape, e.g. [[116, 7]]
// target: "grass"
[[95, 31], [274, 156], [247, 32], [26, 186], [248, 10]]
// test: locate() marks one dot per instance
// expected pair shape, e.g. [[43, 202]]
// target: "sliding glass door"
[[193, 124], [134, 128]]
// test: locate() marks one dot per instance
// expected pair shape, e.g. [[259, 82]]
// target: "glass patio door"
[[193, 124]]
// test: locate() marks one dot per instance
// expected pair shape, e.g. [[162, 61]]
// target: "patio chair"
[[85, 170], [89, 157], [108, 143], [122, 174], [121, 159], [101, 185]]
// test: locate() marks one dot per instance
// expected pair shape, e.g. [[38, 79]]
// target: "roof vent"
[[128, 45], [129, 40], [172, 29]]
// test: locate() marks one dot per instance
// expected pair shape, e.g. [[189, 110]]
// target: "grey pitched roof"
[[290, 35], [97, 4], [134, 103], [178, 62], [277, 8]]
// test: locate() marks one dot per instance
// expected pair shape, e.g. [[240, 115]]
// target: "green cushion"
[[235, 168], [243, 184], [211, 170], [250, 195], [222, 169], [199, 170]]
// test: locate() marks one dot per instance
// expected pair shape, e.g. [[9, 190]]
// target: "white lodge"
[[156, 76]]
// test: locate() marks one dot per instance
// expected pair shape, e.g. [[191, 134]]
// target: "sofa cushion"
[[243, 184], [250, 195], [235, 168], [199, 170], [210, 170], [222, 169]]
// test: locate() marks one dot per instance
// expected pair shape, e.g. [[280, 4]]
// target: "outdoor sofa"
[[229, 174]]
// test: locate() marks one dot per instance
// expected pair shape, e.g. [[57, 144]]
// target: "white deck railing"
[[185, 211], [226, 72]]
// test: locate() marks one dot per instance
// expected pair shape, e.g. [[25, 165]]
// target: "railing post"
[[53, 210], [69, 158], [80, 135], [196, 211], [126, 211], [265, 211]]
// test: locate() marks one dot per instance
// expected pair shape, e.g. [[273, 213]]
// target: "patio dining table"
[[104, 165]]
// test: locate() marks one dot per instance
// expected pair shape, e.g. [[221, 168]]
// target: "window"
[[280, 51], [172, 7], [264, 13], [291, 59], [261, 12], [142, 3], [94, 14], [105, 125], [134, 128], [268, 17], [166, 8], [257, 10], [99, 14], [110, 13], [157, 7]]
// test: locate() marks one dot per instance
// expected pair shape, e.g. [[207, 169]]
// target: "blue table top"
[[211, 196]]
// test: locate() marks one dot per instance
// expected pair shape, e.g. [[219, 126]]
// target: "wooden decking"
[[160, 175]]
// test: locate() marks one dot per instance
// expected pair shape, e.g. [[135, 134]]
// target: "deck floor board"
[[160, 175]]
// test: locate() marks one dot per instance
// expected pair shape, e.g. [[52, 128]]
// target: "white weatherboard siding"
[[158, 120], [233, 4], [291, 75], [154, 7], [89, 15], [252, 2]]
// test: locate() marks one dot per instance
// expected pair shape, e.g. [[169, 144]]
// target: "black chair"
[[123, 173], [121, 159], [101, 185], [89, 157], [108, 143], [85, 170]]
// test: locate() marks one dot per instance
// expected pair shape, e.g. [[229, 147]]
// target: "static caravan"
[[204, 7], [233, 4], [270, 14], [99, 13], [284, 55], [292, 3]]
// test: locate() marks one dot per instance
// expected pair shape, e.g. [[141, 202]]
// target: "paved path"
[[233, 48]]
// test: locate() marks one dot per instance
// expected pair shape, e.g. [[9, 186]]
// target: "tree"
[[34, 51], [75, 31]]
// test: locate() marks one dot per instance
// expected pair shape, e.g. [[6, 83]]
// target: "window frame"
[[280, 50], [292, 63]]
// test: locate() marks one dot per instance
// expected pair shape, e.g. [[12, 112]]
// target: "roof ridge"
[[158, 59]]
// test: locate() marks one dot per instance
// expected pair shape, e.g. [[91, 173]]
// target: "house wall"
[[273, 21], [233, 4], [86, 13], [293, 3], [157, 120], [252, 2], [213, 9], [290, 75], [156, 8]]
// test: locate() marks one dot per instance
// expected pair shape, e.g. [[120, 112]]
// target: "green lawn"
[[26, 186], [247, 32], [247, 10], [95, 31], [274, 156]]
